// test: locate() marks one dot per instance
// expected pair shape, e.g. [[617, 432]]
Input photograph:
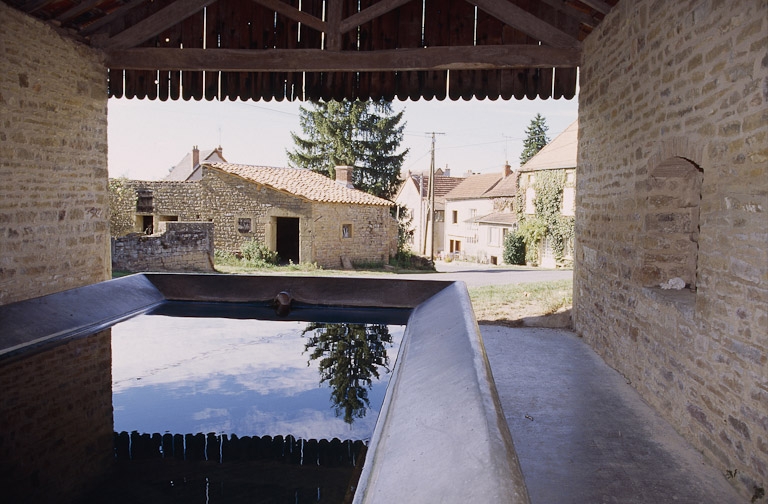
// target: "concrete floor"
[[583, 435]]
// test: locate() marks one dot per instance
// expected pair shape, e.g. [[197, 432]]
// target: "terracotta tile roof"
[[506, 188], [559, 153], [474, 186], [300, 182], [443, 184]]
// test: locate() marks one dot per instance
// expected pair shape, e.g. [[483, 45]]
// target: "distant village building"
[[413, 195], [302, 215], [187, 168], [555, 162], [465, 205]]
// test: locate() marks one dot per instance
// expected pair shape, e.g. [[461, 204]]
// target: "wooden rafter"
[[295, 14], [526, 22], [154, 24]]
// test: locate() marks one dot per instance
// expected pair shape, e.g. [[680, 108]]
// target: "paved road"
[[476, 275]]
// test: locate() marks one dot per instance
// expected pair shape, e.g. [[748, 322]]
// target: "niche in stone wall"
[[670, 242]]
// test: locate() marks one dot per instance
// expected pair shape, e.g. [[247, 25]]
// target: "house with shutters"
[[304, 216]]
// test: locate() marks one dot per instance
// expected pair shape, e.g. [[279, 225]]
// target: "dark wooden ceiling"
[[331, 49]]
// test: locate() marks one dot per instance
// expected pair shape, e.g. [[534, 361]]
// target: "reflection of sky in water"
[[229, 376]]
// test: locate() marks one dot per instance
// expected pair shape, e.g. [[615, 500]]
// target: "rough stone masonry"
[[673, 183]]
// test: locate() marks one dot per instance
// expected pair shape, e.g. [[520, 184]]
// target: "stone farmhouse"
[[672, 170], [302, 215], [413, 194]]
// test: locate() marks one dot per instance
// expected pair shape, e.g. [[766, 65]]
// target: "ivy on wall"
[[548, 220]]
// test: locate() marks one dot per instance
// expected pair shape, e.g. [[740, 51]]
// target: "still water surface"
[[250, 377]]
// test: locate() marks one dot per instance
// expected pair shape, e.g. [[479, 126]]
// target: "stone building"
[[673, 183], [302, 215], [672, 176]]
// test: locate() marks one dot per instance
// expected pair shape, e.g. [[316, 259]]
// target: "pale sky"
[[147, 137]]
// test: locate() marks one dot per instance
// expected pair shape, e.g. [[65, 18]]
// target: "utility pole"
[[431, 196]]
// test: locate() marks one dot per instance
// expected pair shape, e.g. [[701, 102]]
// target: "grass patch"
[[509, 303]]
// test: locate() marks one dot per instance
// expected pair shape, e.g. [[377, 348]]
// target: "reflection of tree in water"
[[350, 355]]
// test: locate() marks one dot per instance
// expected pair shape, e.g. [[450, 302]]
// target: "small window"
[[530, 195], [346, 230], [244, 225], [144, 201], [455, 217]]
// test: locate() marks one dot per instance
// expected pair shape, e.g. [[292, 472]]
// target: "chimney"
[[195, 156], [344, 175], [447, 171], [507, 170]]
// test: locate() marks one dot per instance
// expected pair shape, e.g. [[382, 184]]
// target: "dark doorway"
[[287, 239], [147, 224]]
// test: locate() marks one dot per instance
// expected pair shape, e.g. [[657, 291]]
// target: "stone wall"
[[53, 175], [673, 182], [371, 235], [56, 421], [176, 246]]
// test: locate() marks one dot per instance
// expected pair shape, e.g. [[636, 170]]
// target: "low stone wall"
[[177, 246]]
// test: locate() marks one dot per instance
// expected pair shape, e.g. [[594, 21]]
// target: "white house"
[[414, 196], [469, 201]]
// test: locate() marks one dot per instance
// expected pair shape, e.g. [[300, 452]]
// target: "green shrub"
[[258, 253], [514, 249], [224, 257]]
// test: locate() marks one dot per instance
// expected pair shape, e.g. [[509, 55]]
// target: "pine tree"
[[365, 135], [536, 138]]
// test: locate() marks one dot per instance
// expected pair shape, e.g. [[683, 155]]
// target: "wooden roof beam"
[[486, 57], [295, 14], [524, 21], [572, 12], [154, 24], [598, 5], [110, 17], [370, 13]]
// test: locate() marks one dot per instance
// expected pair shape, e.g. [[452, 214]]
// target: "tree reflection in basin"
[[250, 377], [233, 408]]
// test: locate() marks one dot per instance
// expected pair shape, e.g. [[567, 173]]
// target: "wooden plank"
[[565, 83], [154, 24], [526, 22], [115, 82], [312, 60], [192, 39], [461, 21]]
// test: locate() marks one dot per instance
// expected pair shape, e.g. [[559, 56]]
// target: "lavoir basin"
[[438, 436]]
